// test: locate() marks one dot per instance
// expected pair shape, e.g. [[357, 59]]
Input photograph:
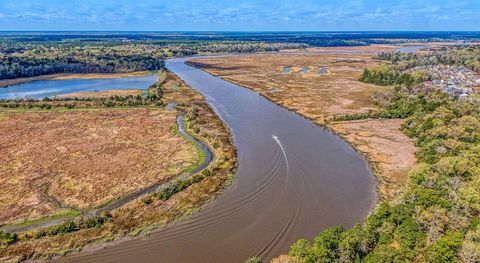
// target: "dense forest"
[[36, 60], [184, 49], [468, 56]]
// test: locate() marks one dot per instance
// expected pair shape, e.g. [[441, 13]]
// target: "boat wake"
[[283, 150]]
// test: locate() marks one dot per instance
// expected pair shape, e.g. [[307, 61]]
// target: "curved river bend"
[[288, 187]]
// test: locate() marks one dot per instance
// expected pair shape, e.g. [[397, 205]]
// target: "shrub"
[[299, 248], [66, 227], [147, 200], [253, 260], [7, 238]]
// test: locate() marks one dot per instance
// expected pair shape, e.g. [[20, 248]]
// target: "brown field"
[[311, 94], [391, 151], [104, 94], [52, 161], [63, 76], [363, 49], [319, 97]]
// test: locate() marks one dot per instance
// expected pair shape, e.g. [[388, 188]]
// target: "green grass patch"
[[59, 215], [60, 252], [176, 88], [200, 153], [136, 232], [200, 160]]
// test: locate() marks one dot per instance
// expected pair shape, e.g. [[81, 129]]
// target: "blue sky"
[[230, 15]]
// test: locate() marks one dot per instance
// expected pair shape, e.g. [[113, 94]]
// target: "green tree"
[[445, 249]]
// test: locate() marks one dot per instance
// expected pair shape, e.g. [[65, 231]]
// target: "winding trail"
[[270, 205], [114, 204]]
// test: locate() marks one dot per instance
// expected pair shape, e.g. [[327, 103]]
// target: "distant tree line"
[[41, 60], [183, 49]]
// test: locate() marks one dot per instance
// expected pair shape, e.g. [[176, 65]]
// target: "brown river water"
[[289, 186]]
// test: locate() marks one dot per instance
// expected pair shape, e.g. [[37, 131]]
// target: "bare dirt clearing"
[[52, 161]]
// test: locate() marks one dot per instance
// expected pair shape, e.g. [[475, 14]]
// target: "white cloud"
[[355, 14]]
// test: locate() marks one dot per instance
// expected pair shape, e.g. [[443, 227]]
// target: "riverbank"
[[65, 76]]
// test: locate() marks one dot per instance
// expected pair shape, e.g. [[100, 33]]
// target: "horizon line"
[[248, 31]]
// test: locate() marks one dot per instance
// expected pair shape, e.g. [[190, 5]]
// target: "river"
[[294, 179], [410, 49], [39, 89]]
